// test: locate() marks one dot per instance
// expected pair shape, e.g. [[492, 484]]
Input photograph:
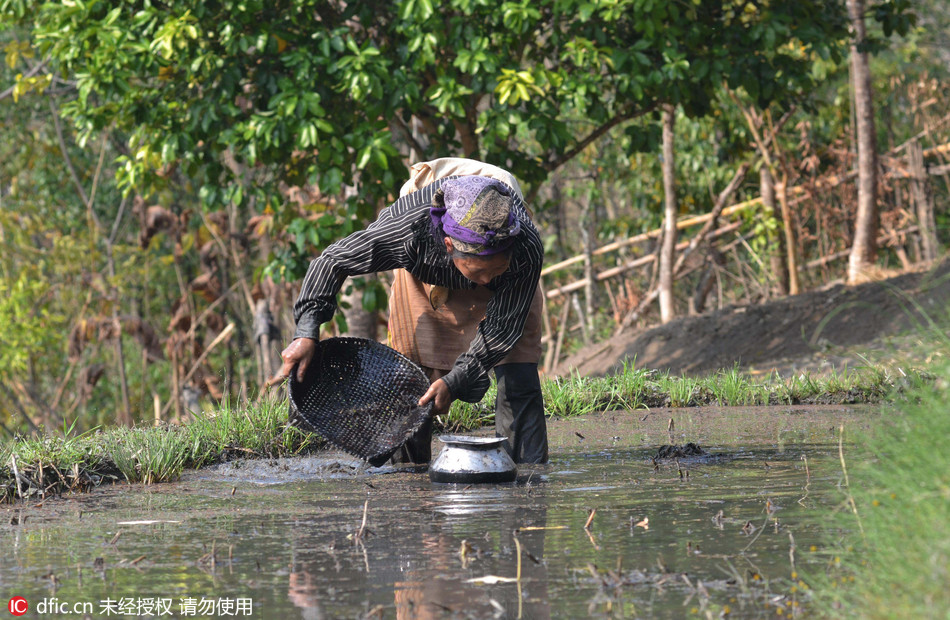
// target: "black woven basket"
[[361, 396]]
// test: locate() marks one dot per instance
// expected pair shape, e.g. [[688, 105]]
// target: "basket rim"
[[373, 344]]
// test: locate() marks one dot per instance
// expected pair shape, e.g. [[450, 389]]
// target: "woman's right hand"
[[298, 353], [440, 396]]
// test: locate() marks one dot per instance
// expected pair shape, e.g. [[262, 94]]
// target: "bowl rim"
[[470, 440]]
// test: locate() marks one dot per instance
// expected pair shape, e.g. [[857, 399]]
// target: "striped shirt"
[[401, 238]]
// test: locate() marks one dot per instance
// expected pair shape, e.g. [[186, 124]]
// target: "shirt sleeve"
[[505, 318], [379, 247]]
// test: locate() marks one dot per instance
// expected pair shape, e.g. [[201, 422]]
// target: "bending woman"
[[469, 249]]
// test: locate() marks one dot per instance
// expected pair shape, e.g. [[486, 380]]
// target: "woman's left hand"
[[440, 396]]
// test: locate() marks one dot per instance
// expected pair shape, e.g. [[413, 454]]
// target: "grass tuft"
[[894, 561], [62, 463]]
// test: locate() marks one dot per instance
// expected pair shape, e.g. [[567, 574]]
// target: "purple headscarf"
[[476, 212]]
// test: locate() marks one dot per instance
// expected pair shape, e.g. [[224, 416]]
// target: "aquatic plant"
[[148, 454], [680, 390], [469, 416]]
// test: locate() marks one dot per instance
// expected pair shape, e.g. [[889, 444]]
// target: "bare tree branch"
[[407, 132], [593, 136], [69, 162], [29, 74]]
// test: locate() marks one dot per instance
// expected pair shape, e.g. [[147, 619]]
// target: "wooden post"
[[716, 261], [922, 201], [548, 336], [793, 282], [263, 328], [176, 388], [581, 319], [777, 258], [589, 236], [561, 330]]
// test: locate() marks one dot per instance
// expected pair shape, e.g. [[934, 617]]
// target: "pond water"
[[696, 537]]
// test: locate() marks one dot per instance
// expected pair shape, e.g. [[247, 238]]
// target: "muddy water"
[[666, 539]]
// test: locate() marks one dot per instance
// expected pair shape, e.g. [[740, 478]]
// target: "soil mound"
[[782, 334]]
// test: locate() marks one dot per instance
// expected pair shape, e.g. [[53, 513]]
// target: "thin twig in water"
[[791, 551], [591, 538], [847, 485], [807, 480], [758, 533], [518, 574], [16, 475], [362, 530], [365, 556], [518, 552]]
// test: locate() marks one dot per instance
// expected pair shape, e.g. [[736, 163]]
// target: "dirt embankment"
[[802, 332]]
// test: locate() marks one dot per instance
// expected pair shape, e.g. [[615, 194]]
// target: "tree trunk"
[[359, 322], [864, 246], [706, 283], [777, 257], [588, 228], [668, 249], [266, 335]]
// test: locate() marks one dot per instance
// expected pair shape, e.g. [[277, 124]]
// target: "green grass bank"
[[893, 559]]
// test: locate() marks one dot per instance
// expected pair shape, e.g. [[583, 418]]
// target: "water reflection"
[[437, 565], [714, 534]]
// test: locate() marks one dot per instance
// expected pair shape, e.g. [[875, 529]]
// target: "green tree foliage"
[[320, 93], [296, 119]]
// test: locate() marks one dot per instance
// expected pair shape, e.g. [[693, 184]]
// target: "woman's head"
[[475, 218], [477, 213]]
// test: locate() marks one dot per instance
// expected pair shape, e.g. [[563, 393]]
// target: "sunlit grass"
[[67, 462], [894, 561], [633, 388]]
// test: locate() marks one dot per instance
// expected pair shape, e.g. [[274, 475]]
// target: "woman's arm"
[[379, 247]]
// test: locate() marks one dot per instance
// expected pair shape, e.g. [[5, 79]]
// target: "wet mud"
[[689, 450], [603, 529]]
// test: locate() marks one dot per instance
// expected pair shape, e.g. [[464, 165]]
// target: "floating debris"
[[717, 519], [590, 518], [490, 580], [534, 528]]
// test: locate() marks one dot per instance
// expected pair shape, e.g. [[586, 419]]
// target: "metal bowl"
[[472, 459]]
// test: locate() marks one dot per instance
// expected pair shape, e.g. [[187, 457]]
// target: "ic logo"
[[18, 606]]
